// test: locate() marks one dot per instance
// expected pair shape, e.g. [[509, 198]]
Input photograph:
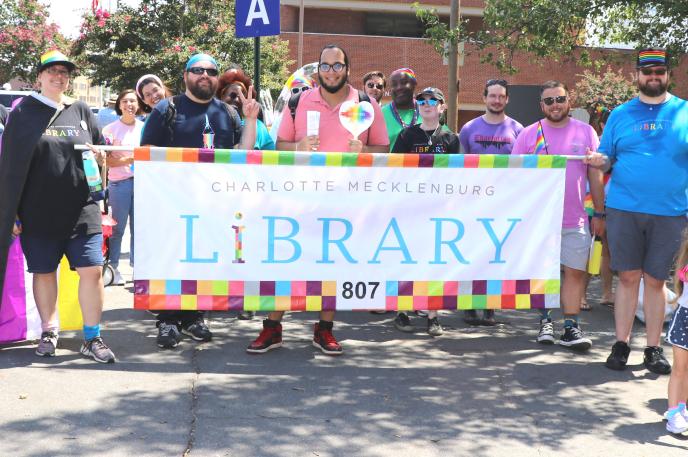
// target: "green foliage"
[[25, 34], [159, 36], [605, 90], [556, 30]]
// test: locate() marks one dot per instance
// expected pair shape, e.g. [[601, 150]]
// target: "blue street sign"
[[257, 18]]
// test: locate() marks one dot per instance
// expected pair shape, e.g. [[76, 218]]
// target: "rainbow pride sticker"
[[356, 117]]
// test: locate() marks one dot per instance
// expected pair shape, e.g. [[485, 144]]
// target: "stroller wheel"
[[108, 275]]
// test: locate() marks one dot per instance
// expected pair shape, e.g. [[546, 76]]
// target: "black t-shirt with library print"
[[415, 140], [55, 201]]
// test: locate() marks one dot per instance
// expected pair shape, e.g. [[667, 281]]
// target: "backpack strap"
[[294, 101]]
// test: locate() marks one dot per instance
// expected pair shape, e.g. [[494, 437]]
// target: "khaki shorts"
[[575, 248]]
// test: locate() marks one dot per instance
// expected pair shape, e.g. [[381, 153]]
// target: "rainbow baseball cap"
[[54, 57], [652, 57]]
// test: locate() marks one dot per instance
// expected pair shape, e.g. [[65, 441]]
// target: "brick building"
[[385, 35]]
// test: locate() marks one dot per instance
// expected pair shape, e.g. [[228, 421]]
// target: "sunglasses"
[[499, 82], [429, 102], [375, 86], [549, 101], [200, 70], [656, 71], [57, 72], [296, 90], [336, 67]]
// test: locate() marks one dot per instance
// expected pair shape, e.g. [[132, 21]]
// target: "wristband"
[[600, 215]]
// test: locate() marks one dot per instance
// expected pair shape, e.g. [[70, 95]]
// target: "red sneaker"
[[270, 338], [324, 340]]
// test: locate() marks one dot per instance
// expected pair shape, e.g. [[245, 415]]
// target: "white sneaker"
[[546, 334], [118, 280], [677, 424], [683, 412]]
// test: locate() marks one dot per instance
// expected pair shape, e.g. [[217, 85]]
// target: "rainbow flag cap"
[[54, 57], [652, 58]]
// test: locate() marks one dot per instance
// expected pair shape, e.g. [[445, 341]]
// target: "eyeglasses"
[[375, 86], [549, 101], [429, 102], [656, 71], [233, 95], [200, 70], [57, 72], [336, 67], [296, 90]]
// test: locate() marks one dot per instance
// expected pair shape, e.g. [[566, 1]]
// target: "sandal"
[[585, 306]]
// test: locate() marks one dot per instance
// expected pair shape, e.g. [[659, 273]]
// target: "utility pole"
[[452, 100], [300, 52]]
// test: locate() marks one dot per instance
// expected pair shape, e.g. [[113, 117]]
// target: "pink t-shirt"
[[120, 134], [333, 136], [575, 138]]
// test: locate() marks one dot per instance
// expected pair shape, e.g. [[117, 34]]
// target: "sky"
[[67, 13]]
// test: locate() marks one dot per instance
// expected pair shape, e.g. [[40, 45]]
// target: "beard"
[[494, 111], [558, 118], [333, 89], [203, 93], [654, 91]]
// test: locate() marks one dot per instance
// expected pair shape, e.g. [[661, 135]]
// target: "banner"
[[19, 319], [270, 230]]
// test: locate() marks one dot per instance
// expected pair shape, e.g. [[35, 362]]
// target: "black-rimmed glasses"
[[198, 71]]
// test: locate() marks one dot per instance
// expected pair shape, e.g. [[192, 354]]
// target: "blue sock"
[[571, 321], [545, 314], [91, 331], [673, 411]]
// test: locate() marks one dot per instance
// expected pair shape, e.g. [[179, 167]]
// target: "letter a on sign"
[[257, 18]]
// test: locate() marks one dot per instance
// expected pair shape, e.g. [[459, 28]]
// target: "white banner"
[[244, 222]]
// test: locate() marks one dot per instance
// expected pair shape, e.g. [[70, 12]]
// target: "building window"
[[386, 24]]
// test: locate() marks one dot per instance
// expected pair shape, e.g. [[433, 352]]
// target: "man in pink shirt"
[[333, 74], [559, 134]]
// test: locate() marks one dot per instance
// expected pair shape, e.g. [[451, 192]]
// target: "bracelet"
[[600, 215]]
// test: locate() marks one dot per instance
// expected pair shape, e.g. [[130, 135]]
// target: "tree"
[[25, 34], [597, 92], [559, 29], [159, 36]]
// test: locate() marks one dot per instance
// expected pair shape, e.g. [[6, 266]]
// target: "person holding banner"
[[303, 133], [196, 119], [646, 139], [44, 196], [559, 134]]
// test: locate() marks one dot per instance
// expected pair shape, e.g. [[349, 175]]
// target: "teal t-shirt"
[[263, 139], [648, 146]]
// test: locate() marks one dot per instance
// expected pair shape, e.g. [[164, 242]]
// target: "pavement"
[[474, 391]]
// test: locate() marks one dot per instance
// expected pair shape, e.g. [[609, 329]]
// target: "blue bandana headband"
[[200, 58]]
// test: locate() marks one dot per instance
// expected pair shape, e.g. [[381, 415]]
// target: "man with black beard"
[[333, 73], [196, 119], [646, 141], [403, 111]]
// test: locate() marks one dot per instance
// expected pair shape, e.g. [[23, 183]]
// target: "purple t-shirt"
[[575, 138], [480, 137]]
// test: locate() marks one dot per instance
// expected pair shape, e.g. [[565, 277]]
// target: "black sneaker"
[[655, 361], [403, 323], [618, 359], [245, 315], [97, 350], [573, 339], [488, 318], [434, 327], [197, 330], [470, 316], [168, 335]]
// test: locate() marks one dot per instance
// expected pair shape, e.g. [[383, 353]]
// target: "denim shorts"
[[43, 255]]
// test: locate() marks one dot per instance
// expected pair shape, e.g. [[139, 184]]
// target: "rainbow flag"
[[540, 144], [19, 319]]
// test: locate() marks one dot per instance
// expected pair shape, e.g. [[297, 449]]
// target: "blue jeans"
[[122, 203]]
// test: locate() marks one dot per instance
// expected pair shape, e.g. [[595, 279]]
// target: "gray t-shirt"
[[480, 137]]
